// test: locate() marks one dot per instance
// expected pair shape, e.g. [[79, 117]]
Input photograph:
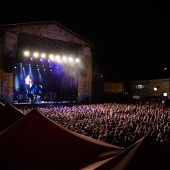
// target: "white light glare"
[[57, 58], [26, 53], [70, 59], [64, 58], [35, 54], [51, 57], [77, 60], [43, 55], [155, 89]]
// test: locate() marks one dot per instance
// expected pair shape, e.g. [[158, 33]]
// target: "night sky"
[[131, 40]]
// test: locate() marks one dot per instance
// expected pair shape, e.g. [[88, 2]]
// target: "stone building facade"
[[46, 34]]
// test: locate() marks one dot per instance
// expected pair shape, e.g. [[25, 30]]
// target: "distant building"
[[113, 88], [104, 91], [156, 88]]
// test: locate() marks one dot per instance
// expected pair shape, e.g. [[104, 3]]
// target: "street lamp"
[[165, 71]]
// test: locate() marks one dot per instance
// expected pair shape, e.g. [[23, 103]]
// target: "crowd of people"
[[113, 123]]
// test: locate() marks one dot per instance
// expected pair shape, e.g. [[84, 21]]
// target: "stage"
[[28, 104]]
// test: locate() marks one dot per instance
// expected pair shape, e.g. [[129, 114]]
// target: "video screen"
[[39, 80]]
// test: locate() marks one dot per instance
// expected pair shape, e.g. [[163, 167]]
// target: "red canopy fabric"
[[146, 154], [1, 104], [36, 142], [9, 115]]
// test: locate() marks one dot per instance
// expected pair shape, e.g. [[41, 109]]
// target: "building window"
[[139, 86]]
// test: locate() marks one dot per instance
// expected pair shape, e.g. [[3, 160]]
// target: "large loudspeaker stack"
[[9, 64]]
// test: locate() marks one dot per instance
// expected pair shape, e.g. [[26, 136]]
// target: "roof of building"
[[7, 26]]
